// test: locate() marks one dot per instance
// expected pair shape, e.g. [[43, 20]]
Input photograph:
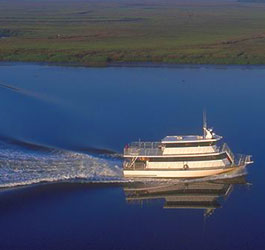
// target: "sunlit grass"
[[93, 33]]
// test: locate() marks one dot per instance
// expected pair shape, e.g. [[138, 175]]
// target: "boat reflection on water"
[[205, 195]]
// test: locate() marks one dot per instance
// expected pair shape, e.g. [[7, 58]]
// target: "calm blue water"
[[59, 124]]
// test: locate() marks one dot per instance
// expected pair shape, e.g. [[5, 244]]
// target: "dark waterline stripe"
[[197, 158]]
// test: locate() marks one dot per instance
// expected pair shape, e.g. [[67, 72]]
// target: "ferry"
[[184, 156]]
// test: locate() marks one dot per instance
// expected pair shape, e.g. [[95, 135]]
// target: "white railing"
[[242, 160], [230, 154], [134, 165], [143, 148]]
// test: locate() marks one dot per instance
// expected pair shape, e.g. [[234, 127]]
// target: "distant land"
[[98, 32]]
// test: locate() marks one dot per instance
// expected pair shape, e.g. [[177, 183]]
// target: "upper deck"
[[176, 145], [189, 139], [172, 145], [155, 149]]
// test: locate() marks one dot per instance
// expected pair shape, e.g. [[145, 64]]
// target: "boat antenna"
[[204, 123]]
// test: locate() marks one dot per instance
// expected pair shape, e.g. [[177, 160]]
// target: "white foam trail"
[[19, 166]]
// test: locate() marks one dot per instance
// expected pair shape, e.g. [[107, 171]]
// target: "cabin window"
[[189, 144], [197, 158]]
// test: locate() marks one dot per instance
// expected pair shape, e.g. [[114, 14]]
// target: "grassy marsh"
[[97, 32]]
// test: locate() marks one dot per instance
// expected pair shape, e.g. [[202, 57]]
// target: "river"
[[62, 131]]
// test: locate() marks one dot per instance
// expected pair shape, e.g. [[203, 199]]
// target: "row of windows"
[[189, 144], [197, 158]]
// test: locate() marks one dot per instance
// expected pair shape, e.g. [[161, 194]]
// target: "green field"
[[97, 32]]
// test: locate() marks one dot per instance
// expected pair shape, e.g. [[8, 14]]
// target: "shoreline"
[[136, 65]]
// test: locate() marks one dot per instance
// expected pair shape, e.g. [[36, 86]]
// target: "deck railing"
[[242, 160], [134, 165], [230, 154], [141, 144], [143, 148]]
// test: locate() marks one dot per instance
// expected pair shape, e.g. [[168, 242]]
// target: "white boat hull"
[[174, 173]]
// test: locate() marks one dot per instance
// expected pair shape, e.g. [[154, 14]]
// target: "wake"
[[24, 166]]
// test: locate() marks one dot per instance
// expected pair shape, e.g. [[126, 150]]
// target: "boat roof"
[[188, 138]]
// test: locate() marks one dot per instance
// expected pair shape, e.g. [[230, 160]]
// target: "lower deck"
[[175, 165], [183, 169], [181, 173]]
